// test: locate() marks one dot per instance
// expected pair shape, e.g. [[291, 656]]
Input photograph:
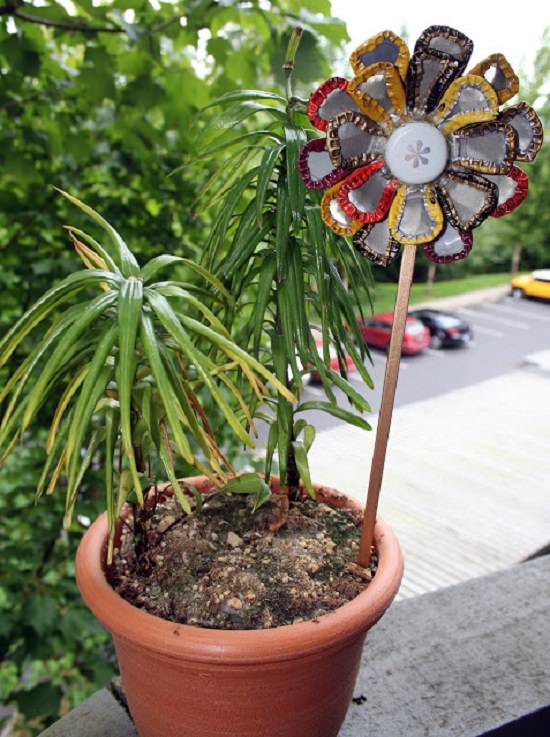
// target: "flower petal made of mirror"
[[330, 99], [415, 216], [375, 243], [428, 77], [528, 128], [334, 216], [316, 167], [496, 70], [366, 195], [354, 140], [440, 55], [448, 42], [379, 92], [385, 46], [451, 245], [466, 198], [468, 100], [488, 148], [512, 190]]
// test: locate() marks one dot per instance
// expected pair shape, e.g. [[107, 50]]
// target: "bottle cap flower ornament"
[[415, 153]]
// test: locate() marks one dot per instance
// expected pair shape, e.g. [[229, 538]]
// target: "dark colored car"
[[446, 329], [376, 332]]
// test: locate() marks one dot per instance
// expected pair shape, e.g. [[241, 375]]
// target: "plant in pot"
[[132, 368], [213, 636]]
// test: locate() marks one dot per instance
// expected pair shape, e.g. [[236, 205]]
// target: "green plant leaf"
[[89, 315], [272, 441], [111, 432], [225, 143], [230, 204], [174, 412], [302, 464], [97, 377], [267, 167], [357, 399], [172, 324], [155, 265], [49, 301], [242, 96], [282, 227], [295, 139], [263, 295], [129, 265], [210, 278], [183, 294], [105, 255], [72, 490], [130, 300], [335, 411], [250, 483], [170, 472]]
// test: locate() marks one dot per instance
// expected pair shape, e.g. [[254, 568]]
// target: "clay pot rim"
[[282, 643]]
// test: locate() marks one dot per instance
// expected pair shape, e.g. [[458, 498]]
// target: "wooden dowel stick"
[[386, 406]]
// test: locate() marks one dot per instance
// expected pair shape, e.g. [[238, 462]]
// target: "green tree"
[[528, 227]]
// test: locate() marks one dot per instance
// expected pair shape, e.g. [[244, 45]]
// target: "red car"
[[376, 331], [315, 376]]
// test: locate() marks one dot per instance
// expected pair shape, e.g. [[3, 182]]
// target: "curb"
[[491, 294], [539, 360]]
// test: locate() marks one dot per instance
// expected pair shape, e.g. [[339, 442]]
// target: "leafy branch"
[[16, 10]]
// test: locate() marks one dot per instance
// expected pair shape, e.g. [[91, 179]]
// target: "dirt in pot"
[[229, 568]]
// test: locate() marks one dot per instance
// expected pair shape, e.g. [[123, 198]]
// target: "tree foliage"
[[529, 225]]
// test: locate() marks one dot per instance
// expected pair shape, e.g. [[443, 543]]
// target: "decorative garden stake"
[[416, 154]]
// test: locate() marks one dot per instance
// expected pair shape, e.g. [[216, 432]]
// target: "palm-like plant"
[[287, 272], [127, 366]]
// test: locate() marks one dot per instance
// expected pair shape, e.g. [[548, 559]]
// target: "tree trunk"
[[516, 258], [431, 277]]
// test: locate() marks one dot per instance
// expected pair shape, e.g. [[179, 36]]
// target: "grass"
[[384, 292]]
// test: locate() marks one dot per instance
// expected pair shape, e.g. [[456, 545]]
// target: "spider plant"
[[127, 358]]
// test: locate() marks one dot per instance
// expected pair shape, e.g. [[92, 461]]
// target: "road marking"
[[478, 314], [525, 313], [435, 352], [484, 330]]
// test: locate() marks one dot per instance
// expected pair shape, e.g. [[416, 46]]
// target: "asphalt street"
[[504, 333]]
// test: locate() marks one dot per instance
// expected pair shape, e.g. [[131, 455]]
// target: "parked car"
[[376, 332], [536, 284], [445, 328], [334, 365]]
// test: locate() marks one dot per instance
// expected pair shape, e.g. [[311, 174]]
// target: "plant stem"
[[386, 406], [292, 473], [288, 68]]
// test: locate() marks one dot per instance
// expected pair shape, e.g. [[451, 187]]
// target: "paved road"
[[504, 333]]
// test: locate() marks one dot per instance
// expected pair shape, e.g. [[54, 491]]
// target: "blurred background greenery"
[[103, 100]]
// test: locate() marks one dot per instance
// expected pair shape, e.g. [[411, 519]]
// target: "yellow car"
[[536, 284]]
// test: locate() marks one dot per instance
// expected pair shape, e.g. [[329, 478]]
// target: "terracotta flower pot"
[[291, 681]]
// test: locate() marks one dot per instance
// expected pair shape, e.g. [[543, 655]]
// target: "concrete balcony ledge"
[[464, 661]]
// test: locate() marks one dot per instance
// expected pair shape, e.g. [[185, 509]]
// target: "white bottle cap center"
[[416, 153]]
